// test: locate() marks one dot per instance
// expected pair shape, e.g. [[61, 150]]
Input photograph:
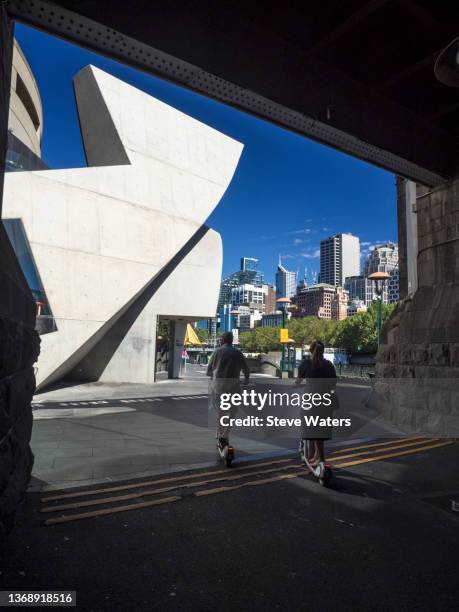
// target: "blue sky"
[[287, 194]]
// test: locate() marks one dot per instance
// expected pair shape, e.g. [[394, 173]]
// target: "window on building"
[[26, 99]]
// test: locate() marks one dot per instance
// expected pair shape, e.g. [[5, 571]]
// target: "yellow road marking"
[[149, 483], [114, 510], [251, 483], [181, 478], [382, 450], [205, 492], [388, 443], [411, 451], [107, 500], [227, 476]]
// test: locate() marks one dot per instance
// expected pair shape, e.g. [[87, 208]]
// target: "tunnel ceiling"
[[355, 75]]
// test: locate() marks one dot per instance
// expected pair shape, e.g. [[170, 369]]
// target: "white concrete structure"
[[122, 242], [339, 258], [25, 118]]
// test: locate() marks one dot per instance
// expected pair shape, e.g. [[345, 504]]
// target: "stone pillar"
[[18, 340], [421, 340], [177, 348], [402, 247]]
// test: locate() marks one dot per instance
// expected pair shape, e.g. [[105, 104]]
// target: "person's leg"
[[319, 453], [223, 430], [320, 450]]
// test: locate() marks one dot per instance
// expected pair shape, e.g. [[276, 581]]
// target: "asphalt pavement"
[[102, 433], [384, 536], [130, 508]]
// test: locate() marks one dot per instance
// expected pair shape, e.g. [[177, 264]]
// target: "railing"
[[355, 371]]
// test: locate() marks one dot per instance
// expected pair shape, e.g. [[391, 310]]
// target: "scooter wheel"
[[326, 478], [229, 457]]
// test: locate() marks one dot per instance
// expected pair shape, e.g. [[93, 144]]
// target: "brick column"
[[421, 340]]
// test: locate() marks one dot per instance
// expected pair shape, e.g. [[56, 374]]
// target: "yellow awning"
[[191, 336]]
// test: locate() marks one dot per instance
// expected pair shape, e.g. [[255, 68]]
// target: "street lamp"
[[379, 279], [283, 302]]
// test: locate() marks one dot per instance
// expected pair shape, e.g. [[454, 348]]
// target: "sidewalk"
[[94, 433], [195, 383]]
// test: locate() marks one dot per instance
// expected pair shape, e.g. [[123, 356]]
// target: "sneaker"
[[222, 442]]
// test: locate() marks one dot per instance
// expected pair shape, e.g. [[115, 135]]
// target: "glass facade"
[[20, 158]]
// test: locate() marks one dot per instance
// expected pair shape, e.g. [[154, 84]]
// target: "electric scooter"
[[226, 453], [322, 471]]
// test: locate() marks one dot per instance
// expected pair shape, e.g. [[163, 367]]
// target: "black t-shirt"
[[306, 370]]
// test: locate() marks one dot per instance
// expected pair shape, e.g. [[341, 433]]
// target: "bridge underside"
[[357, 76]]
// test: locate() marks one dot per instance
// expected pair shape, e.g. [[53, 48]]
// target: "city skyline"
[[311, 273], [288, 194]]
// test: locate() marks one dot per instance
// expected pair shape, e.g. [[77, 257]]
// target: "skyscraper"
[[339, 258], [248, 274], [285, 282], [323, 301], [384, 258], [249, 263]]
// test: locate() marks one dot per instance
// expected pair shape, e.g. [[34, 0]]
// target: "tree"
[[202, 335], [307, 329], [260, 340], [358, 334]]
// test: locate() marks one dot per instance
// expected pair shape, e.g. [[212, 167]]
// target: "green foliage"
[[306, 330], [260, 340], [163, 329], [357, 334], [202, 334]]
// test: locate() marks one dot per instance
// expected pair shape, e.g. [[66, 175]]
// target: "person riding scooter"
[[320, 375], [225, 366]]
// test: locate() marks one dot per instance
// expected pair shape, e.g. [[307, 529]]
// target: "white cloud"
[[311, 254], [297, 241], [305, 230], [287, 256]]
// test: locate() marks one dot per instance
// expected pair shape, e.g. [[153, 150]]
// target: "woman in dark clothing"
[[315, 369]]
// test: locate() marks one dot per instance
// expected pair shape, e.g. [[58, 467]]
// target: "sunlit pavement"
[[83, 441]]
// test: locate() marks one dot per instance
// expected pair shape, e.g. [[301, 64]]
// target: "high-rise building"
[[285, 282], [249, 264], [359, 288], [273, 319], [355, 307], [322, 300], [248, 274], [384, 258], [25, 126], [227, 321], [270, 303], [249, 295], [339, 258], [339, 304]]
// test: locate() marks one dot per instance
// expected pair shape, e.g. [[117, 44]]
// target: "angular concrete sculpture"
[[122, 241]]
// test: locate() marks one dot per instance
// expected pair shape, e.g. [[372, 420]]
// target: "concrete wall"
[[18, 340], [103, 236], [19, 120]]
